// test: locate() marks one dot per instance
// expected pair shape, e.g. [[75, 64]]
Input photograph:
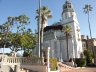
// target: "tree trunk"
[[41, 49], [67, 45]]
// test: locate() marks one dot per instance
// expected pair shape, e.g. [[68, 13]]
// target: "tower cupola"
[[67, 7], [68, 11]]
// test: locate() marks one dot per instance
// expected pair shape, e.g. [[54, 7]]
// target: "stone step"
[[64, 67]]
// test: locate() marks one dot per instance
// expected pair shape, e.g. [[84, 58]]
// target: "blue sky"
[[28, 7]]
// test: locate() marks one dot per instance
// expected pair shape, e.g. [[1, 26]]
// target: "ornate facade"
[[56, 39]]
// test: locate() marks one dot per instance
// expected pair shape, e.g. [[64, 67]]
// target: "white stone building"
[[56, 39]]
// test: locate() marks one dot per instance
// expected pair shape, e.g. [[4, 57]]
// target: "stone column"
[[48, 62], [17, 68]]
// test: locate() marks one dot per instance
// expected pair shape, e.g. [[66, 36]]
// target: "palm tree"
[[67, 30], [45, 15], [87, 9]]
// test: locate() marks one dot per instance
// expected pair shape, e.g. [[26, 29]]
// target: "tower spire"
[[68, 11], [67, 7]]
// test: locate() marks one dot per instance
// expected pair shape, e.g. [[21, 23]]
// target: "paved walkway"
[[82, 70], [66, 68]]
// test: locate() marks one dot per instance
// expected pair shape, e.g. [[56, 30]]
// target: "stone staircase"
[[33, 68], [24, 70], [29, 64], [5, 68], [41, 68], [63, 67]]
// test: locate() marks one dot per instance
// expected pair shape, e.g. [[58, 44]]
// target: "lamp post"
[[55, 47], [55, 41], [39, 26], [0, 40], [48, 62]]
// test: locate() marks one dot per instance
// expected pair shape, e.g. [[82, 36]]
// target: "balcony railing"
[[20, 60]]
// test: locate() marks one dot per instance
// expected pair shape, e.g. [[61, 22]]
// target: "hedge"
[[80, 62]]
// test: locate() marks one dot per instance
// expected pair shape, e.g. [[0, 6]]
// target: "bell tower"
[[68, 12], [69, 18]]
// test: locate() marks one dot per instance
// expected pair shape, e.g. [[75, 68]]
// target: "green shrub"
[[80, 62], [53, 64], [26, 54], [89, 56]]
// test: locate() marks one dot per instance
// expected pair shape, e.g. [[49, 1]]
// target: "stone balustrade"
[[24, 60], [15, 63], [20, 60], [14, 59]]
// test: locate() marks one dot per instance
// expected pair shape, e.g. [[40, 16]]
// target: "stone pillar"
[[48, 62], [17, 68]]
